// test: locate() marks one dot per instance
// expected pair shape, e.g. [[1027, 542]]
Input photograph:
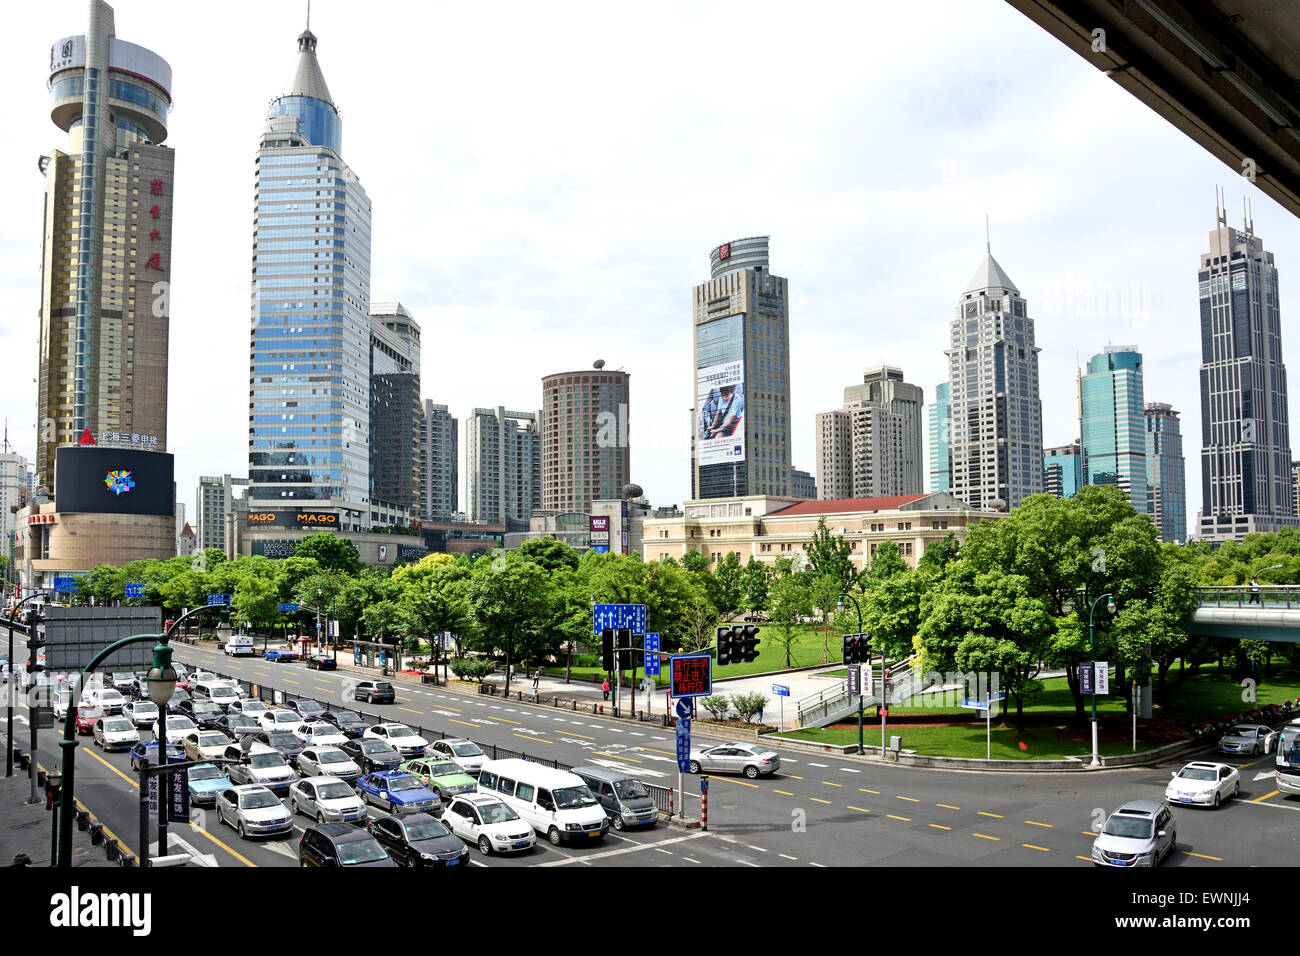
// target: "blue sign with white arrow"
[[65, 585], [219, 600], [618, 616], [652, 655], [288, 608], [135, 589]]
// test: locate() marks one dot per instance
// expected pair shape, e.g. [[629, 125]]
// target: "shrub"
[[472, 668], [717, 705], [586, 660], [749, 705]]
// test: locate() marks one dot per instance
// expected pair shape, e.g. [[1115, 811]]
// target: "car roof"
[[478, 799], [250, 788], [1207, 765], [324, 778], [1146, 808], [341, 832], [532, 772], [607, 774]]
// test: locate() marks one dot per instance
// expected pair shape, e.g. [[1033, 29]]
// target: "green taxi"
[[442, 775]]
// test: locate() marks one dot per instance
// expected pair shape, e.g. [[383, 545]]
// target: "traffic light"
[[607, 649], [725, 650], [624, 649], [849, 654], [747, 643]]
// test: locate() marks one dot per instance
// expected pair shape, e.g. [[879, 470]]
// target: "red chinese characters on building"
[[155, 234], [154, 262], [155, 187], [153, 211]]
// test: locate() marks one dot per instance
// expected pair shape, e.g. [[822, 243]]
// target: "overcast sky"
[[548, 181]]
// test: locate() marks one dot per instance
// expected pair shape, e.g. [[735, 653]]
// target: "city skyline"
[[484, 231]]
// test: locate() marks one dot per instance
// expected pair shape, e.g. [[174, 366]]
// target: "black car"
[[235, 726], [340, 844], [418, 839], [371, 754], [202, 712], [282, 742], [322, 664], [349, 723], [306, 709], [179, 697]]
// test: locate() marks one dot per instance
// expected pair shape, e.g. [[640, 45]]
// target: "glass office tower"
[[1166, 472], [1112, 424], [310, 374], [940, 415]]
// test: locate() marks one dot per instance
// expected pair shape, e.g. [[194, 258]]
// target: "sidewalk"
[[25, 828]]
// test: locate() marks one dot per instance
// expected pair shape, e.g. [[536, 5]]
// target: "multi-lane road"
[[819, 810]]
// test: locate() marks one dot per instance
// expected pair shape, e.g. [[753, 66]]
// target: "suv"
[[340, 844], [1140, 833], [374, 692]]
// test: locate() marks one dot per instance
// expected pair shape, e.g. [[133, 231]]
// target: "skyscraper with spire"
[[995, 427], [309, 376], [1245, 431]]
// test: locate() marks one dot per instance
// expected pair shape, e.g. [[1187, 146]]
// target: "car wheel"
[[751, 772], [320, 819], [1217, 798], [293, 806], [1236, 789], [240, 829], [485, 846], [392, 808], [694, 766], [617, 821], [553, 834]]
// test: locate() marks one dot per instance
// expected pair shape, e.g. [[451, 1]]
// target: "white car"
[[61, 703], [489, 823], [142, 713], [278, 719], [328, 762], [221, 694], [1203, 783], [328, 799], [177, 728], [106, 697], [465, 752], [318, 733], [199, 677], [400, 737], [250, 707], [115, 733]]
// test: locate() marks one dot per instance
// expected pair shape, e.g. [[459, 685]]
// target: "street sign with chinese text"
[[652, 654], [692, 675]]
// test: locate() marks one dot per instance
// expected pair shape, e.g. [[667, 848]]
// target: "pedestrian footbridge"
[[1263, 613]]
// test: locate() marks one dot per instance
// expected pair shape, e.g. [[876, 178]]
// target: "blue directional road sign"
[[618, 616], [685, 708], [652, 655], [65, 585], [288, 608], [684, 745], [219, 600], [135, 589], [781, 690]]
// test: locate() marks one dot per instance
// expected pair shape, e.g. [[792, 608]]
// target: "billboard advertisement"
[[94, 480], [720, 397]]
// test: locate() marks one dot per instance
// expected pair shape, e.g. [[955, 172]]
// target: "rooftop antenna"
[[309, 16], [1220, 215], [1250, 209], [6, 447], [988, 245]]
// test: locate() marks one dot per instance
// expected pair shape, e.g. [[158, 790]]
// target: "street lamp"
[[161, 681], [1110, 607], [859, 610]]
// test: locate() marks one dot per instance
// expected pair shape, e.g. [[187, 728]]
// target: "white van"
[[239, 646], [556, 803]]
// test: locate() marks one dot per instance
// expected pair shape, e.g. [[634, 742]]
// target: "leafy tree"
[[695, 562], [940, 554], [472, 668], [891, 611], [753, 584], [791, 599], [885, 564], [255, 602], [332, 553], [830, 555], [385, 622], [550, 554], [512, 607], [699, 621], [730, 591]]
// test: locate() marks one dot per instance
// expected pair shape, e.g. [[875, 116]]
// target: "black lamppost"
[[13, 677]]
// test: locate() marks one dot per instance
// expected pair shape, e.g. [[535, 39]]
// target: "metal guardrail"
[[1273, 596]]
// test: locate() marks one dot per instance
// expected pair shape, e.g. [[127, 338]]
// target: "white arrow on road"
[[281, 849], [1263, 776], [177, 845], [630, 771]]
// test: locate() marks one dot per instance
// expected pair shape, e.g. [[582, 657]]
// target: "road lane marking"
[[1035, 823], [938, 826], [811, 764], [829, 784], [465, 722], [913, 799], [404, 700], [606, 753], [783, 792], [290, 680], [238, 856], [794, 775], [527, 737], [410, 710], [507, 720], [743, 783], [134, 783], [984, 814], [111, 835], [859, 809], [1086, 859], [1032, 847], [818, 800], [984, 836], [627, 849], [1266, 796], [810, 863], [1202, 856], [787, 856], [865, 790], [947, 806], [848, 770], [758, 848], [665, 852], [671, 753], [574, 733], [904, 819]]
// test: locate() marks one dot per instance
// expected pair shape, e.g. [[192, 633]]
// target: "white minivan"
[[239, 646], [554, 802]]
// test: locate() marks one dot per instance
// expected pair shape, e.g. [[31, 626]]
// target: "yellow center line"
[[983, 814], [507, 720], [410, 711], [111, 835], [913, 799], [1202, 856], [290, 680], [904, 819], [570, 733], [865, 790], [238, 856], [818, 800], [465, 722], [794, 775], [454, 710], [785, 793], [984, 836], [859, 809], [743, 783], [938, 826], [1086, 859], [134, 783], [404, 700], [947, 806], [654, 751], [829, 784], [529, 737], [1088, 833], [1035, 823], [619, 756], [1266, 796], [1032, 847]]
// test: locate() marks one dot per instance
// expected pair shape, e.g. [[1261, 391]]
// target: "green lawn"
[[806, 650], [969, 741], [1207, 694]]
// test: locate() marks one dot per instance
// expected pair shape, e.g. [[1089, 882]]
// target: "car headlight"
[[574, 826]]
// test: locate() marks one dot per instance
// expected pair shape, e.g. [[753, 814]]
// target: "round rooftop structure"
[[138, 86]]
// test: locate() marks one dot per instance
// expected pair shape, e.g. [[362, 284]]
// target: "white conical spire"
[[307, 77], [990, 276]]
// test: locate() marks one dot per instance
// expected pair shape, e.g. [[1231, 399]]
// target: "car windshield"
[[384, 686], [426, 830], [281, 738], [444, 769], [401, 732], [1196, 773], [346, 717], [142, 708], [265, 761], [180, 694], [205, 773], [286, 717], [360, 851], [570, 798], [90, 713], [497, 813], [466, 750], [630, 789], [205, 707], [1242, 731], [180, 723], [332, 756], [334, 791], [212, 740], [253, 705], [223, 692], [258, 801], [117, 725], [1134, 828], [373, 746], [404, 783], [310, 705]]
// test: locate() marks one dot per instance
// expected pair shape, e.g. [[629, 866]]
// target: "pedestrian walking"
[[1254, 590], [604, 687]]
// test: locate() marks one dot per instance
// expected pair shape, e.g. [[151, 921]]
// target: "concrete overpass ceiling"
[[1225, 72]]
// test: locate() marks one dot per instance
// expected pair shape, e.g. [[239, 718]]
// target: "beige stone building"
[[768, 528]]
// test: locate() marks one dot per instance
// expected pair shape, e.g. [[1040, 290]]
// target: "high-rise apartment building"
[[213, 500], [1112, 428], [585, 452], [872, 447], [439, 458], [1062, 470], [804, 483], [309, 413], [1245, 430], [1295, 486], [13, 494], [996, 433], [940, 415], [106, 246], [503, 467], [395, 410], [741, 349], [1166, 472]]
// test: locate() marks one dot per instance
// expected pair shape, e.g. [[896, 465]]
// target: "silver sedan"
[[327, 762], [750, 759], [1247, 739], [328, 799]]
